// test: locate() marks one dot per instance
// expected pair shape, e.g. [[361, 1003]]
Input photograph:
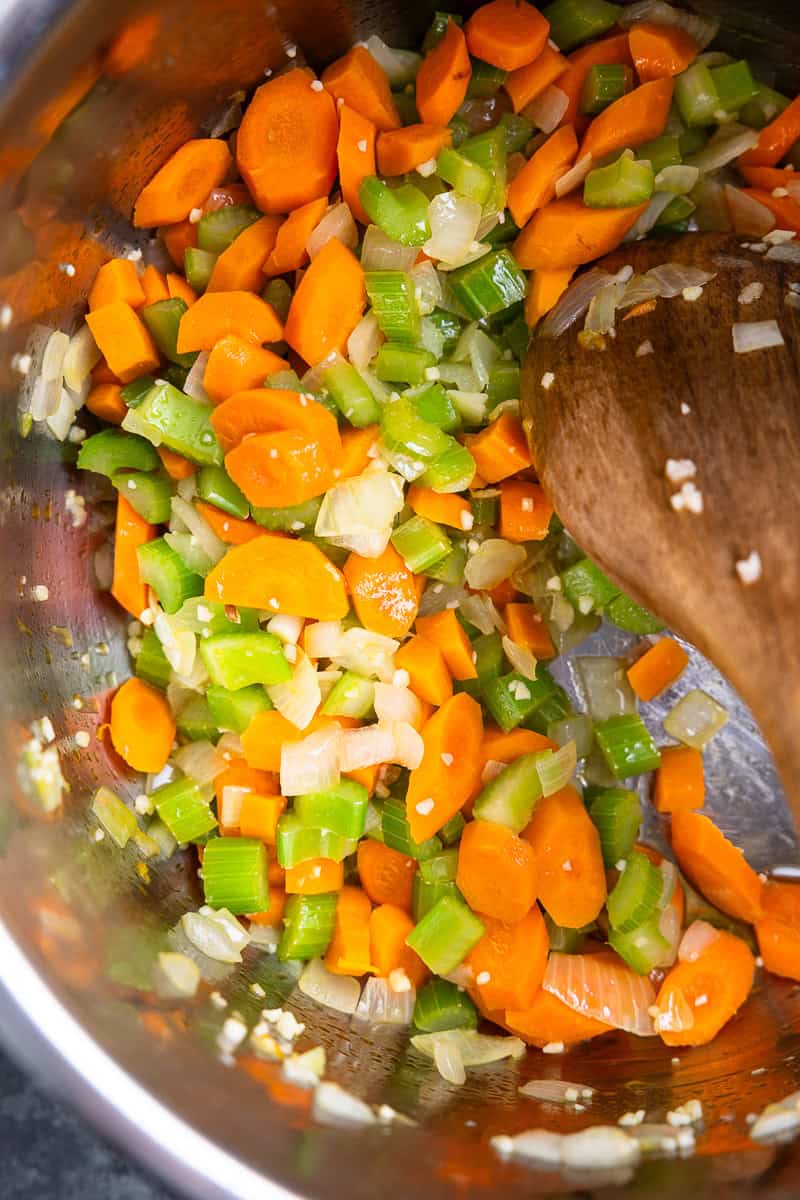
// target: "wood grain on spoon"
[[601, 436]]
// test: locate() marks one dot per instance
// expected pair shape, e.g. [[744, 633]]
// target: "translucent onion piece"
[[557, 1091], [678, 179], [80, 358], [312, 764], [602, 1146], [363, 506], [702, 30], [199, 528], [472, 406], [697, 939], [605, 684], [381, 1005], [639, 289], [381, 253], [401, 66], [649, 217], [194, 380], [176, 975], [216, 933], [574, 303], [229, 807], [756, 335], [459, 375], [481, 612], [448, 1062], [179, 646], [493, 561], [723, 147], [321, 638], [408, 745], [547, 109], [785, 252], [367, 653], [427, 287], [230, 744], [778, 1120], [340, 992], [520, 658], [608, 992], [61, 421], [287, 628], [299, 697], [602, 312], [439, 596], [200, 761], [669, 926], [454, 222], [574, 177], [577, 728], [672, 278], [393, 703], [46, 394], [367, 747], [473, 1049], [337, 223], [334, 1106], [555, 770], [364, 342], [696, 718]]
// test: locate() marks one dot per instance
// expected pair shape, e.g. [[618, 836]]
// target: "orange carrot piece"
[[366, 776], [290, 253], [547, 1020], [770, 178], [131, 531], [231, 530], [295, 575], [610, 50], [442, 507], [500, 449], [427, 670], [356, 445], [217, 314], [240, 268], [660, 51], [506, 33], [178, 238], [514, 958], [314, 876], [567, 234], [526, 83], [327, 305], [383, 591], [182, 183], [443, 77], [504, 593], [268, 410], [403, 150], [527, 629], [785, 209], [263, 738], [505, 747], [107, 404], [154, 285], [274, 914], [286, 144], [240, 774], [709, 991], [102, 373], [361, 83], [775, 140], [116, 280], [123, 340], [349, 951], [545, 289], [386, 875], [176, 466], [680, 785], [389, 926], [259, 815], [179, 289], [355, 153], [235, 365], [496, 871], [715, 866], [637, 117], [525, 511], [657, 669], [450, 767], [283, 468], [142, 726], [778, 931], [446, 631], [566, 846], [535, 185]]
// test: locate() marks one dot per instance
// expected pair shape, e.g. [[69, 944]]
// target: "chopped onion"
[[381, 253], [574, 177], [555, 768], [574, 303], [381, 1005], [366, 747], [340, 992], [409, 747], [439, 596], [669, 926], [677, 179], [557, 1091], [326, 681], [299, 697], [756, 335], [216, 933], [337, 223], [598, 1147], [365, 505], [723, 147], [577, 728], [200, 761], [639, 289], [333, 1105], [229, 806], [697, 939], [520, 658], [481, 612], [286, 628], [493, 561], [785, 252], [46, 395], [185, 545], [448, 1061], [61, 421], [533, 1145], [649, 217], [427, 286], [547, 109], [321, 638], [393, 703], [466, 1047], [702, 30], [459, 375], [608, 992], [482, 352], [230, 746], [672, 278], [367, 653], [194, 386], [365, 341], [602, 312], [80, 358], [176, 975], [454, 222], [401, 66], [311, 765], [179, 645], [471, 406], [186, 515], [605, 684], [431, 337]]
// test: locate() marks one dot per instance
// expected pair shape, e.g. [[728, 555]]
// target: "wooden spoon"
[[601, 436]]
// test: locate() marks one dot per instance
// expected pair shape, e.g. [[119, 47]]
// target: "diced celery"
[[353, 398], [235, 710], [198, 267], [451, 471], [397, 835], [421, 543], [467, 178], [643, 949], [406, 105], [692, 140], [445, 935], [163, 321], [441, 1005], [564, 940], [195, 722], [586, 587], [617, 815], [662, 152], [485, 509], [149, 494], [297, 842], [350, 696], [517, 335], [184, 808], [293, 519], [488, 150], [112, 450], [134, 392], [397, 363], [208, 618], [433, 404], [489, 663], [628, 615], [504, 383], [167, 574], [426, 895], [603, 85], [680, 208], [151, 661], [511, 797], [437, 29], [489, 285], [394, 303], [215, 485], [696, 96], [235, 875], [179, 422], [451, 832], [239, 660], [217, 230], [695, 719], [448, 324], [341, 808], [401, 212], [518, 132], [485, 80], [406, 436], [735, 85], [627, 745], [116, 818], [576, 21], [309, 924], [634, 898], [623, 183], [764, 107], [450, 569]]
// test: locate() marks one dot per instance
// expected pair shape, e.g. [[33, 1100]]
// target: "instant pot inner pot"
[[82, 128]]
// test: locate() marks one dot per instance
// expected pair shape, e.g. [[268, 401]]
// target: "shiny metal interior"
[[87, 115]]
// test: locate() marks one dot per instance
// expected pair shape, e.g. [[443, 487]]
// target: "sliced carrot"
[[427, 670], [715, 866], [231, 530], [658, 668], [355, 153], [240, 268], [359, 81], [314, 877], [525, 511], [116, 280], [154, 285], [268, 410], [680, 785], [142, 726], [263, 738], [637, 117], [131, 531], [496, 871], [569, 861], [443, 77], [179, 289], [102, 373], [403, 150], [327, 305], [770, 178], [383, 591], [289, 253], [182, 183], [450, 767], [386, 875], [567, 234], [107, 404], [236, 365], [500, 449], [506, 33], [217, 314], [280, 469], [505, 747], [239, 774], [526, 628], [389, 926], [545, 289], [526, 83], [785, 209], [610, 50], [366, 776], [177, 239], [778, 931], [660, 51], [259, 816], [547, 1021], [282, 574], [504, 593], [513, 957], [707, 992], [775, 140], [446, 632], [535, 185], [286, 143], [274, 914], [442, 507], [356, 446], [176, 466], [123, 340], [349, 952]]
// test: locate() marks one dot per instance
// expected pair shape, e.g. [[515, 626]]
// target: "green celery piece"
[[449, 326], [504, 231], [511, 797], [442, 1005], [217, 230], [603, 85], [237, 660], [627, 745], [134, 392], [294, 519], [765, 106], [208, 618], [445, 935], [437, 29], [450, 569], [176, 375], [309, 924], [489, 285], [664, 151], [398, 363], [488, 150], [163, 321], [583, 582], [504, 383], [151, 662], [485, 510], [643, 949], [406, 435], [341, 808], [554, 704], [421, 544], [563, 939], [149, 494], [425, 895], [195, 722], [296, 842], [198, 267], [451, 832], [485, 80], [184, 808], [467, 178], [115, 816], [406, 105], [692, 140], [696, 96], [234, 711], [489, 663], [394, 304], [518, 132], [167, 574], [401, 212], [735, 85], [353, 398], [621, 184], [509, 699], [350, 696], [433, 404], [680, 208], [397, 835], [112, 450], [617, 815], [460, 130], [451, 471], [235, 875], [576, 21], [634, 898], [279, 295], [627, 614], [440, 869], [517, 336], [182, 424], [215, 485]]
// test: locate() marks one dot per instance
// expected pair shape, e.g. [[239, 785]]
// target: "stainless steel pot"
[[94, 98]]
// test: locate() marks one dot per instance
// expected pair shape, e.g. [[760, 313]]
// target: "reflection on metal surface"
[[96, 96]]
